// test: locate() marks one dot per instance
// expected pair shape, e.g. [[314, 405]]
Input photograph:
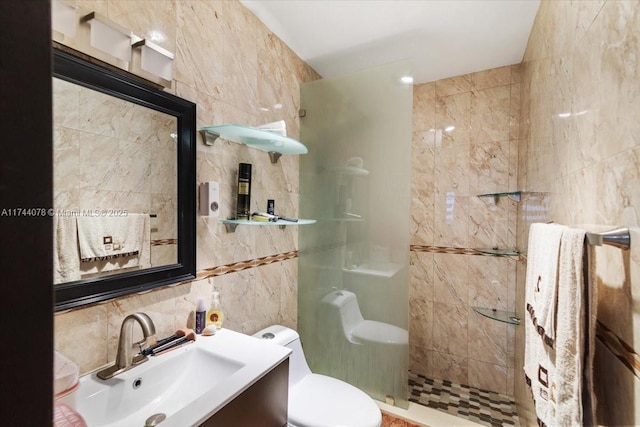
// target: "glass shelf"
[[498, 252], [499, 315], [231, 224], [516, 196], [350, 170], [271, 142]]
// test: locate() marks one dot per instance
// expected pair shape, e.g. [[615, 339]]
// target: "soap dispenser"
[[215, 315]]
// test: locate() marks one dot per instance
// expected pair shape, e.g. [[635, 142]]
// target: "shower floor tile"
[[481, 406]]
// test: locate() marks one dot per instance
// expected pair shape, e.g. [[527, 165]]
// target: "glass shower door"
[[353, 263]]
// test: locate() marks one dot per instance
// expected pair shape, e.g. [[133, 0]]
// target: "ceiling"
[[441, 38]]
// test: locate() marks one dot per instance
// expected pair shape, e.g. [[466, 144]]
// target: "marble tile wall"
[[579, 143], [236, 71], [465, 143]]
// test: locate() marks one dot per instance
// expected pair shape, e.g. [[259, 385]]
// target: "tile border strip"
[[620, 349], [451, 250], [244, 265], [164, 242]]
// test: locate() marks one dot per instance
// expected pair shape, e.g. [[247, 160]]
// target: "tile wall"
[[580, 143], [236, 71], [111, 154], [465, 143]]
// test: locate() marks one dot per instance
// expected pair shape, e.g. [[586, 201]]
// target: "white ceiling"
[[441, 38]]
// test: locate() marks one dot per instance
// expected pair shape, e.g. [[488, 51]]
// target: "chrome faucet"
[[127, 357]]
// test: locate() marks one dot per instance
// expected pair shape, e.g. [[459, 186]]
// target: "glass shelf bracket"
[[271, 142]]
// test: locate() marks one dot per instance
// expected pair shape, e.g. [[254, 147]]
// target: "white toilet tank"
[[345, 304], [298, 367]]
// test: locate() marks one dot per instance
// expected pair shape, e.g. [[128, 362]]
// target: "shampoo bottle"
[[243, 205], [201, 314], [215, 316]]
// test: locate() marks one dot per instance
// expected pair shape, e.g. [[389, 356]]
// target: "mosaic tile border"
[[620, 349], [454, 251], [244, 265], [164, 242], [478, 405]]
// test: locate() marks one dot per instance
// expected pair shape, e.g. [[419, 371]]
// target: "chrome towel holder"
[[619, 237]]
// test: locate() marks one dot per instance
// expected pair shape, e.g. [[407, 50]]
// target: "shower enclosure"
[[356, 182]]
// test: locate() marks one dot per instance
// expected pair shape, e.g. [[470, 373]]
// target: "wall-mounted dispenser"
[[210, 199]]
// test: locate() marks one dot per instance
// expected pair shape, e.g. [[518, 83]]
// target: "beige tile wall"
[[580, 143], [236, 71], [451, 167]]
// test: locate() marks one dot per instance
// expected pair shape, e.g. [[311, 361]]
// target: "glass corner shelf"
[[351, 170], [516, 196], [232, 224], [498, 251], [272, 142], [499, 315]]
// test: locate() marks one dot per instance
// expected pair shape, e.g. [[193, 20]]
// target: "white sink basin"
[[187, 385]]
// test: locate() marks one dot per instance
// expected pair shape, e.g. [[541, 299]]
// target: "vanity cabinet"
[[263, 404]]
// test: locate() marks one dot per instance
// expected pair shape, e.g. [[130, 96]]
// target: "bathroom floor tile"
[[481, 406]]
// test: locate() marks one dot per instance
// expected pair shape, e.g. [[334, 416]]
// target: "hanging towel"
[[110, 237], [66, 256], [571, 328], [560, 376], [542, 277], [113, 243]]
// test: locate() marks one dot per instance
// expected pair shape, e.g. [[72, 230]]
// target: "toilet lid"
[[378, 332], [318, 400]]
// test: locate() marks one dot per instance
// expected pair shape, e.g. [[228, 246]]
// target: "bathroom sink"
[[186, 385]]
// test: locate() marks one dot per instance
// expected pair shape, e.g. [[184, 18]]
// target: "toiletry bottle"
[[271, 206], [201, 315], [243, 204], [215, 316]]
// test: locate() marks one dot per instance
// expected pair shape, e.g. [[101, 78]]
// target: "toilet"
[[378, 349], [318, 400], [343, 313]]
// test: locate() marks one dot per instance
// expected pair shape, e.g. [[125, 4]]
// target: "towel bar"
[[618, 237]]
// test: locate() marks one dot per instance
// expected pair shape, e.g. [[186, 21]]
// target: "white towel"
[[558, 376], [542, 277], [66, 257], [110, 237], [129, 245]]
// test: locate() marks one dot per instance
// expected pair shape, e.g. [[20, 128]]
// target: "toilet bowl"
[[318, 400]]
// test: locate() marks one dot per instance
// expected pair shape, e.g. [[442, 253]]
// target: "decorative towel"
[[560, 376], [110, 237], [542, 278], [113, 243]]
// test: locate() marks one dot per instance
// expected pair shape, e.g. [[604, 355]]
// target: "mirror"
[[124, 184]]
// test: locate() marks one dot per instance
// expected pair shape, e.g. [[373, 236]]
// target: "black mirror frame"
[[120, 85]]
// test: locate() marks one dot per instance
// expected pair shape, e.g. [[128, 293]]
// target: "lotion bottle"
[[215, 315], [201, 314]]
